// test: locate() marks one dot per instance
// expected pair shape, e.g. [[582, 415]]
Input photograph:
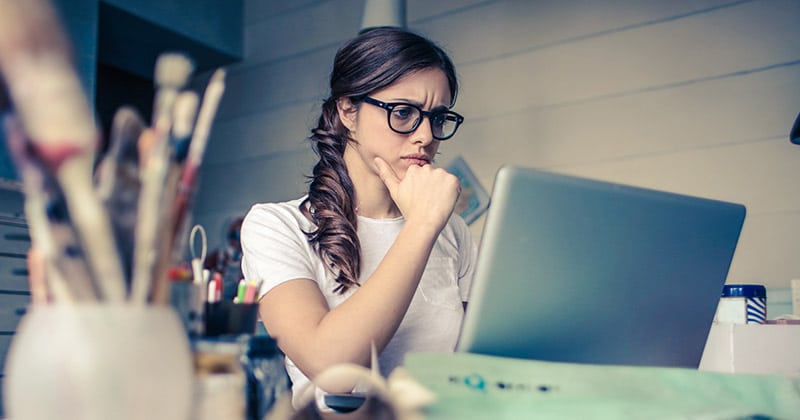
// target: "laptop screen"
[[578, 270]]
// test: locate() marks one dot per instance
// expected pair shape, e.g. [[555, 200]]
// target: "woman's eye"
[[438, 120], [403, 112]]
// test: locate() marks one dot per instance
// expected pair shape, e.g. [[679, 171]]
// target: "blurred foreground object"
[[100, 341]]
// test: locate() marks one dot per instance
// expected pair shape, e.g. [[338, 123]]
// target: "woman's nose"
[[424, 133]]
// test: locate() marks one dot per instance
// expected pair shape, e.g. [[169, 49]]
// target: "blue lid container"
[[744, 290]]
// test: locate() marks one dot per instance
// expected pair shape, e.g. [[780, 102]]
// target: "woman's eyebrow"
[[438, 108]]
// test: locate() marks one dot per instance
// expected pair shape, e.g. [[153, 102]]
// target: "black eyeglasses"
[[405, 118]]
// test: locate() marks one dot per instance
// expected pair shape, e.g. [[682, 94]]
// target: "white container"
[[99, 361], [742, 304]]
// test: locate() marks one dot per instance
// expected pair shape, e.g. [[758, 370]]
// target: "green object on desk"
[[470, 386]]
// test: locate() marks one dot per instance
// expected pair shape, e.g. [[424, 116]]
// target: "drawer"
[[13, 273], [5, 342], [14, 237], [2, 409], [12, 307]]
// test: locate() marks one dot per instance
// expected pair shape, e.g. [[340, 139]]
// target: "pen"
[[215, 288], [211, 292], [240, 291], [250, 292]]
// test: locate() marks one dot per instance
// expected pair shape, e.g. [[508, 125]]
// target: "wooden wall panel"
[[690, 96]]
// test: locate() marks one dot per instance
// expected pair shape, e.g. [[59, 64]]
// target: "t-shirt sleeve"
[[467, 255], [274, 248]]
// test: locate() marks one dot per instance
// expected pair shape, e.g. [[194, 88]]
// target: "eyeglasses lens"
[[406, 118]]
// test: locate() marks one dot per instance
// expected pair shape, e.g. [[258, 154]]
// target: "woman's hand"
[[425, 195]]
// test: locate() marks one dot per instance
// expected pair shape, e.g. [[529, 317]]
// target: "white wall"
[[689, 96]]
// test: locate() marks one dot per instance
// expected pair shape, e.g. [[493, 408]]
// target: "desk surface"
[[472, 386]]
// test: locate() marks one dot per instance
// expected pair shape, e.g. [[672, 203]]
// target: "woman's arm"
[[315, 336]]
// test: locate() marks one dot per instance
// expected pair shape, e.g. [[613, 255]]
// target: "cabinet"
[[14, 291], [753, 348]]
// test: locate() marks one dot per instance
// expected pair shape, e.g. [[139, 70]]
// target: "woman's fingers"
[[388, 175], [424, 194]]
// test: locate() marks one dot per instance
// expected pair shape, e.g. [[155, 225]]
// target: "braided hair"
[[373, 60]]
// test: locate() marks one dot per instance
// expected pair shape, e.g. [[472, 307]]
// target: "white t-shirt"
[[276, 250]]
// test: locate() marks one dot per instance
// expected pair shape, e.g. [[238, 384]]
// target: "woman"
[[373, 253]]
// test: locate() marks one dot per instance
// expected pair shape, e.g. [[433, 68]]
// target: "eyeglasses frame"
[[390, 106]]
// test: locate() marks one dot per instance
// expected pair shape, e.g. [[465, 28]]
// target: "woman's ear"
[[347, 113]]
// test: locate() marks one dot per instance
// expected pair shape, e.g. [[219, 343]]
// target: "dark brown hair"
[[373, 60]]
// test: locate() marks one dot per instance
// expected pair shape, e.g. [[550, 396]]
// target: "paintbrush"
[[183, 125], [118, 184], [56, 115], [183, 121], [197, 147], [67, 277], [172, 72]]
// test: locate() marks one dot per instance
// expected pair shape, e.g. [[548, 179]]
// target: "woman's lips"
[[419, 160]]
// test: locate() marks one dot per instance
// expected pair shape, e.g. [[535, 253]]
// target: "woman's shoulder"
[[291, 206], [279, 213], [455, 234], [458, 226]]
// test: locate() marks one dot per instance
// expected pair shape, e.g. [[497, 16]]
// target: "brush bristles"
[[185, 111], [173, 70]]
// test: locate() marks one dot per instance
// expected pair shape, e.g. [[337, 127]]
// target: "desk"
[[470, 386]]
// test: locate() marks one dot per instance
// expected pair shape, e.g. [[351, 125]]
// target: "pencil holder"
[[188, 300], [228, 318], [99, 361]]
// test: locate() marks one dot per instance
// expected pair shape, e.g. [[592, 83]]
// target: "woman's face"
[[429, 90]]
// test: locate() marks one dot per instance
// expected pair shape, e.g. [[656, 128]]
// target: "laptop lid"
[[579, 270]]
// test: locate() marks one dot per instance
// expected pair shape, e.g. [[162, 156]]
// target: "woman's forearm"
[[372, 314]]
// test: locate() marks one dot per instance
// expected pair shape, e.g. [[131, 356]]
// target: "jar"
[[742, 304]]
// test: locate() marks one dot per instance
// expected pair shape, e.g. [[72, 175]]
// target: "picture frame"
[[474, 200]]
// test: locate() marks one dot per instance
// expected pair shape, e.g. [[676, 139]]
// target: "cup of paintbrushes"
[[99, 361]]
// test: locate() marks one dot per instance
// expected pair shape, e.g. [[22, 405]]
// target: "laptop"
[[584, 271]]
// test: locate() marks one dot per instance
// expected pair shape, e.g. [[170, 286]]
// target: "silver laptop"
[[578, 270]]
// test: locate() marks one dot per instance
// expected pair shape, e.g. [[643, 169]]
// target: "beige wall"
[[689, 96]]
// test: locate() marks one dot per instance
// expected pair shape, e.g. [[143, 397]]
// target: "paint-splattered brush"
[[55, 113]]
